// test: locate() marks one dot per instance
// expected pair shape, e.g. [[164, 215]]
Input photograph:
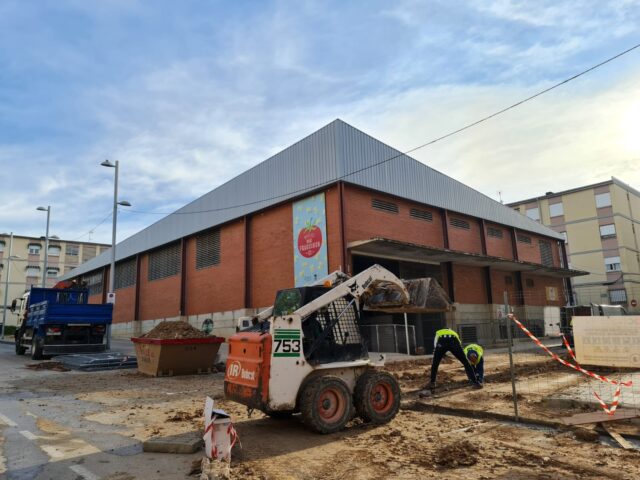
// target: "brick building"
[[338, 199]]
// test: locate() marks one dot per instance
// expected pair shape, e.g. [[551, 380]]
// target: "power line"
[[430, 142], [91, 229]]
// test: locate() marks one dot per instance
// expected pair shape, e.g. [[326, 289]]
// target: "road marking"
[[8, 421], [27, 434], [83, 472]]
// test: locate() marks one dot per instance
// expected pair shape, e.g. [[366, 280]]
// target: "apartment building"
[[22, 262], [600, 224]]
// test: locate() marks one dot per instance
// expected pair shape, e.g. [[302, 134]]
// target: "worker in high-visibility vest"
[[447, 340], [474, 354]]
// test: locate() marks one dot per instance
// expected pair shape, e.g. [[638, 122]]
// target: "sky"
[[186, 95]]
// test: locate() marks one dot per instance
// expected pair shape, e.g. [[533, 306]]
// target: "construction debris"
[[92, 362], [425, 295], [459, 454], [169, 330], [55, 366], [617, 437]]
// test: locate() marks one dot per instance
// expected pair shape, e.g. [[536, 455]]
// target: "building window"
[[164, 262], [618, 296], [607, 231], [34, 248], [72, 250], [54, 250], [208, 249], [494, 232], [556, 210], [384, 206], [94, 283], [125, 274], [459, 223], [612, 264], [52, 272], [421, 214], [566, 237], [603, 200], [523, 238], [533, 213], [529, 283], [1, 246], [546, 257], [33, 271]]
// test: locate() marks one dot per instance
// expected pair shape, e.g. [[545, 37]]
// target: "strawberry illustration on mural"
[[309, 239]]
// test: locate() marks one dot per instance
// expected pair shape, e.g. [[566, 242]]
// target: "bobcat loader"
[[306, 354]]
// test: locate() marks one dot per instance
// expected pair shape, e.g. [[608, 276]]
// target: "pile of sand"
[[169, 330], [458, 454]]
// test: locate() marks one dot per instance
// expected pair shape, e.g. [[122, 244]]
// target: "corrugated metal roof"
[[336, 151]]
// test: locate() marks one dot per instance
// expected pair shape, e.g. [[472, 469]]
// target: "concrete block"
[[189, 442]]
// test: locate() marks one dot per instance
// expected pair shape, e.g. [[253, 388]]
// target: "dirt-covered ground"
[[417, 444]]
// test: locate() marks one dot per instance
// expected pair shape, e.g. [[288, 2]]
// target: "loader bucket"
[[425, 295]]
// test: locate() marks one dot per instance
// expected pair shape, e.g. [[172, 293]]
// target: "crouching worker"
[[474, 352], [448, 341]]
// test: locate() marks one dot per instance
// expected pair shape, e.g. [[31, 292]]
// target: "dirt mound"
[[56, 366], [168, 330], [182, 416], [458, 454]]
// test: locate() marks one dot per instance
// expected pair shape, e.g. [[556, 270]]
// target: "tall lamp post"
[[46, 245], [112, 269], [6, 284]]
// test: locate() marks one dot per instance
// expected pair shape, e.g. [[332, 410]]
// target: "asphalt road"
[[84, 450]]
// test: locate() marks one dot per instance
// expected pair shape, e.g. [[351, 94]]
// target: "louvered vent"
[[494, 232], [208, 249], [524, 239], [384, 206], [545, 254], [421, 214], [469, 333], [125, 274], [164, 262], [459, 223], [94, 283]]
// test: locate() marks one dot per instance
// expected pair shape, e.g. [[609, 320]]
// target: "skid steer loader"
[[306, 354]]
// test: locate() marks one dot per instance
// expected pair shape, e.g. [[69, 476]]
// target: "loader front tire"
[[326, 404], [377, 397]]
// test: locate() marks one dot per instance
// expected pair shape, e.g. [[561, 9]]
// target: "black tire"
[[36, 349], [326, 404], [377, 397], [20, 350]]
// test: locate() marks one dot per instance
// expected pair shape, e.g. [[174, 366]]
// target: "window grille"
[[459, 223], [618, 296], [125, 274], [384, 206], [54, 250], [94, 283], [469, 333], [524, 239], [494, 232], [208, 249], [164, 262], [421, 214], [546, 256]]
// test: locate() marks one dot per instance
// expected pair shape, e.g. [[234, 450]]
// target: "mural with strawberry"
[[309, 238]]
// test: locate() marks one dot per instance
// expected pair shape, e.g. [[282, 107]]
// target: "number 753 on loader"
[[306, 354]]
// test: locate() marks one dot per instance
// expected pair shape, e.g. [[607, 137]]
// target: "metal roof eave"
[[396, 250]]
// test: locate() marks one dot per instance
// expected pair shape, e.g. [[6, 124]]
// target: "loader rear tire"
[[325, 404], [377, 397]]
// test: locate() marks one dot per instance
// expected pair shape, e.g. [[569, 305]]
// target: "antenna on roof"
[[500, 196]]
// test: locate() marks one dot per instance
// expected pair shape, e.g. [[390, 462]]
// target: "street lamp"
[[6, 285], [112, 269], [46, 245]]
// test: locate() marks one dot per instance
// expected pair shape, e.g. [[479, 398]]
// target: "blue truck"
[[55, 321]]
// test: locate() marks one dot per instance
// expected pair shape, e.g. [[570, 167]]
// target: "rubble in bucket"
[[174, 329], [421, 295]]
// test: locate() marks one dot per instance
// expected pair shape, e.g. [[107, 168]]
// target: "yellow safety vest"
[[445, 332], [474, 347]]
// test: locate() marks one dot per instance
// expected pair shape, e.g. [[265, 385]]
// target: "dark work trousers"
[[450, 344]]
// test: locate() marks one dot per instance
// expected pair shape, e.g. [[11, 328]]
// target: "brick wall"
[[158, 298], [364, 222], [500, 247], [469, 284], [334, 229], [220, 287], [124, 309], [271, 254], [462, 239], [537, 294], [499, 285]]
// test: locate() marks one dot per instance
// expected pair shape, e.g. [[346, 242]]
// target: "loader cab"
[[330, 334]]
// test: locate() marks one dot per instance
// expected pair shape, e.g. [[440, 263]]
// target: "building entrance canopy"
[[396, 250]]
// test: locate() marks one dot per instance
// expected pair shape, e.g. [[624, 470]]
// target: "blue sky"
[[189, 94]]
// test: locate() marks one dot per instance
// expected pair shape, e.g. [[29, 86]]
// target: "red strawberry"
[[309, 240]]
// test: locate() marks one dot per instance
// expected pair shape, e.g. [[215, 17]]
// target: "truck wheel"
[[36, 349], [20, 350], [377, 397], [325, 404]]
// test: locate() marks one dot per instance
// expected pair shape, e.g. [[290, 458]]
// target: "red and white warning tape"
[[564, 362], [612, 409], [569, 349], [231, 431]]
